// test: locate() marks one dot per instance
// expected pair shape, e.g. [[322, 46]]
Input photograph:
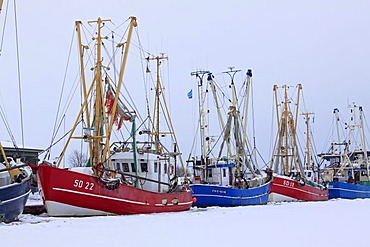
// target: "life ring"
[[172, 169]]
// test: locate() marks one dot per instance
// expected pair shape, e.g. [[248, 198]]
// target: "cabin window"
[[209, 173], [155, 167], [309, 174], [224, 172], [133, 167], [363, 173], [165, 168], [125, 167], [117, 166], [144, 167]]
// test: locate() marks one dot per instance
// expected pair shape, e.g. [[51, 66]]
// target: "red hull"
[[288, 187], [82, 191]]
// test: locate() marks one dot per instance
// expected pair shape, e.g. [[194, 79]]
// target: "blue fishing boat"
[[231, 178], [347, 162], [15, 187], [225, 196]]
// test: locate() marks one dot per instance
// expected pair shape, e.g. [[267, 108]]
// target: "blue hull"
[[207, 195], [348, 190], [13, 197]]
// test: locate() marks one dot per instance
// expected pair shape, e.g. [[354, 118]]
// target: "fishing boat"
[[15, 187], [231, 177], [347, 163], [294, 179], [127, 176]]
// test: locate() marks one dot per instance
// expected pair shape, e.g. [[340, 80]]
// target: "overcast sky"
[[325, 45]]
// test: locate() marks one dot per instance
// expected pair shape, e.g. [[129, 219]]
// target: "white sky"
[[325, 45]]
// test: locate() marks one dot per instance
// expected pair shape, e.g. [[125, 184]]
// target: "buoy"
[[194, 200]]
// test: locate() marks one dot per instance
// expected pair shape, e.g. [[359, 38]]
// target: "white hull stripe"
[[356, 191], [229, 197], [304, 191], [115, 199], [15, 198]]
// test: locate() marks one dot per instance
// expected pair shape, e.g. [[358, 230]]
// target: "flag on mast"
[[190, 94]]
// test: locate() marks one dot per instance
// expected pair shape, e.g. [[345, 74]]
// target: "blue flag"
[[190, 94]]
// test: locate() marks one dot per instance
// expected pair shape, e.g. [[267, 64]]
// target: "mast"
[[219, 113], [233, 111], [248, 86], [158, 92], [287, 151], [336, 114], [363, 141], [202, 123], [133, 23], [308, 141], [97, 154], [156, 127], [287, 123], [97, 138], [232, 74], [294, 132], [83, 79]]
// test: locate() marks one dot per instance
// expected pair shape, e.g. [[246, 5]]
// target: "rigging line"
[[47, 150], [19, 72], [119, 26], [7, 126], [60, 96], [169, 86], [90, 57], [3, 33], [142, 56], [5, 121]]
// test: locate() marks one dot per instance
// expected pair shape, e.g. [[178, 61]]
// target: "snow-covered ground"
[[331, 223]]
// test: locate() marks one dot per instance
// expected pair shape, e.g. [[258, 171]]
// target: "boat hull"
[[207, 195], [13, 198], [68, 193], [348, 190], [287, 189]]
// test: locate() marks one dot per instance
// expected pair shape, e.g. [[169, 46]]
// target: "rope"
[[3, 33], [7, 126], [55, 129], [19, 73]]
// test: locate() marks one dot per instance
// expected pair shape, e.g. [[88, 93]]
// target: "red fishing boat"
[[122, 177], [284, 188], [293, 179]]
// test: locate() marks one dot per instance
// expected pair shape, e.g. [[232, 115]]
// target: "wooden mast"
[[287, 123], [133, 24], [308, 141], [96, 154], [98, 111], [156, 131], [83, 79], [158, 92]]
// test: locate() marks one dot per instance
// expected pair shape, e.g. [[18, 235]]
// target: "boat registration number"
[[288, 183], [81, 184]]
